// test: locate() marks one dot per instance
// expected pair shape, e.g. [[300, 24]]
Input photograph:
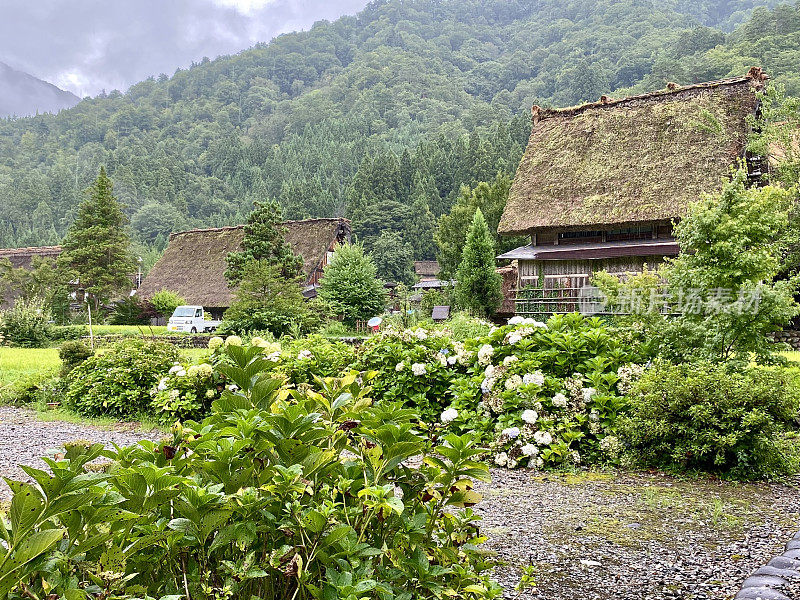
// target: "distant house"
[[600, 184], [193, 264], [427, 270], [24, 258]]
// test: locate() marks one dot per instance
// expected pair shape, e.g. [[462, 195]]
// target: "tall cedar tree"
[[264, 239], [479, 285], [96, 249], [350, 286]]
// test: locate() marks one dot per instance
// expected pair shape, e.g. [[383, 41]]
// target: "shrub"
[[72, 354], [131, 311], [26, 325], [304, 359], [69, 332], [415, 367], [117, 382], [350, 286], [543, 394], [39, 387], [186, 391], [300, 496], [709, 417], [164, 303]]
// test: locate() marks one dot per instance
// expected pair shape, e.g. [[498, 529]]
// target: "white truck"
[[191, 319]]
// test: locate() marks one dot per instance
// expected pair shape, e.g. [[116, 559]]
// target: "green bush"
[[275, 495], [72, 354], [304, 359], [117, 383], [68, 332], [186, 392], [40, 387], [26, 325], [709, 417], [164, 303], [131, 311]]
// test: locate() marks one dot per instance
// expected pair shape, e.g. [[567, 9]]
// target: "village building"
[[24, 258], [600, 185], [194, 262]]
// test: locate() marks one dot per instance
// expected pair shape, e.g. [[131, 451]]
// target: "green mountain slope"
[[368, 115]]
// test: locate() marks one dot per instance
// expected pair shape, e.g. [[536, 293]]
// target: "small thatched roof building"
[[600, 184], [193, 265], [23, 258]]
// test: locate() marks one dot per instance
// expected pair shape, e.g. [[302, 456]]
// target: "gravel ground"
[[24, 440], [593, 536]]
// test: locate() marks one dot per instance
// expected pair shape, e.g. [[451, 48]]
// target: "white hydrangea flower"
[[398, 492], [233, 340], [515, 338], [501, 460], [258, 341], [209, 393], [451, 360], [485, 354], [215, 342], [400, 366], [560, 400], [539, 463], [536, 378], [175, 369], [515, 320], [530, 450], [162, 385], [588, 394], [449, 415], [418, 369], [205, 370], [594, 416], [174, 394], [576, 457], [487, 385], [193, 370], [530, 416], [511, 432], [233, 387], [543, 438], [490, 371], [421, 334], [513, 382], [509, 360], [305, 355], [442, 359], [274, 357]]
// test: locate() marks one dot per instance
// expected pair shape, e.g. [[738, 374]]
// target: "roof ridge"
[[755, 76], [235, 227], [30, 249]]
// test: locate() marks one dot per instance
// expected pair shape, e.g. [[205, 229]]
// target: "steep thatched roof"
[[426, 268], [23, 257], [193, 265], [638, 159]]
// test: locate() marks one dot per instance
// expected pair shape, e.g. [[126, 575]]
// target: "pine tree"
[[350, 286], [394, 258], [96, 249], [421, 226], [479, 286], [264, 239]]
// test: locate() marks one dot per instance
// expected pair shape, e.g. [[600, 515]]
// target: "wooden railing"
[[538, 302]]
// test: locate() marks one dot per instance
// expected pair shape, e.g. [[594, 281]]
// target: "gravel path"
[[593, 536], [24, 440]]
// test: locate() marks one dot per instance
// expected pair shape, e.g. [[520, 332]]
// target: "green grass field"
[[145, 330]]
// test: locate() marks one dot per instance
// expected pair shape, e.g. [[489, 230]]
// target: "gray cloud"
[[86, 46]]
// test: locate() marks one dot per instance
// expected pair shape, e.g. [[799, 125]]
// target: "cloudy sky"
[[86, 46]]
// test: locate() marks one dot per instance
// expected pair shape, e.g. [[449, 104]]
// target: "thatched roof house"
[[600, 184], [193, 265], [427, 269], [23, 258]]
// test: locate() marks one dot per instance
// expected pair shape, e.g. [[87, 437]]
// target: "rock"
[[591, 563], [794, 554], [764, 593], [764, 581], [793, 545], [784, 562], [783, 573]]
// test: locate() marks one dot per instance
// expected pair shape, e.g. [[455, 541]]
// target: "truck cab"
[[191, 319]]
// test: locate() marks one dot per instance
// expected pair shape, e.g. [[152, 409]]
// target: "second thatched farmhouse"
[[193, 265], [600, 184]]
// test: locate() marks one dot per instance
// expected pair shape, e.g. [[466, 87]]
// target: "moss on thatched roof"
[[193, 265], [638, 159]]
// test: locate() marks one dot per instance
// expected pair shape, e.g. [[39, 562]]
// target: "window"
[[580, 237], [644, 232]]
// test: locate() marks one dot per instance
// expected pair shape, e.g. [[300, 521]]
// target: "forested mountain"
[[22, 94], [381, 117]]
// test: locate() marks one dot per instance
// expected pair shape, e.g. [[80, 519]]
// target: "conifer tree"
[[264, 239], [350, 286], [421, 227], [97, 247], [479, 286]]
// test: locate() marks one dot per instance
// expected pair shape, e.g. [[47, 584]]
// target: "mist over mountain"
[[23, 95]]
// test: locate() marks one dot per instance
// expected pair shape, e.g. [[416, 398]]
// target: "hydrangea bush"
[[544, 394], [187, 391]]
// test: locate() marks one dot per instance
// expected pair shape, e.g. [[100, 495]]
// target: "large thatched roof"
[[193, 265], [638, 159], [23, 257]]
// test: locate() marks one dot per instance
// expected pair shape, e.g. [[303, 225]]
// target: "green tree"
[[731, 245], [421, 227], [394, 259], [264, 239], [478, 285], [350, 285], [96, 249], [267, 301], [165, 302]]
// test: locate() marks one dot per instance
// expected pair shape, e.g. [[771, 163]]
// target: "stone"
[[764, 581], [795, 554], [793, 545], [784, 573], [591, 563], [784, 562], [762, 593]]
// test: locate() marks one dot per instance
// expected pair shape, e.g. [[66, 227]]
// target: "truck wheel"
[[194, 329]]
